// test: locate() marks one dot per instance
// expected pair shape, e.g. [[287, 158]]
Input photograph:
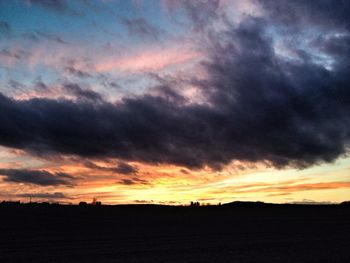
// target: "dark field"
[[238, 233]]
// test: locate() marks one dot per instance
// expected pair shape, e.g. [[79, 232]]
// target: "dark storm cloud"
[[146, 129], [37, 177], [284, 112], [260, 108], [141, 28], [326, 13]]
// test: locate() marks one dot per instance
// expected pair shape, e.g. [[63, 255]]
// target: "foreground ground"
[[38, 233]]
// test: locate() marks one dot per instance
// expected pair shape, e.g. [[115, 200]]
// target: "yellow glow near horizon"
[[169, 184]]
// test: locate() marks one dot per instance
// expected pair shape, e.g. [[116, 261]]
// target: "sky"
[[173, 101]]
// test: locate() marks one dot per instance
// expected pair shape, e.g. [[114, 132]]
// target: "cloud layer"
[[260, 106]]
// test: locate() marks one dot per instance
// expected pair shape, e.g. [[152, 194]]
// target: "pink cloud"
[[147, 61]]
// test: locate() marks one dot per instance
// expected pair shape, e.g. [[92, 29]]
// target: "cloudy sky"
[[171, 101]]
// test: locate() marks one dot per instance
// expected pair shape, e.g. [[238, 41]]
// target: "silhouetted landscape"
[[234, 232]]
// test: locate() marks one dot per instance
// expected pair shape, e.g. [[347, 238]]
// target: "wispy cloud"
[[282, 188], [5, 29], [56, 195], [139, 27], [59, 6], [132, 181], [37, 177], [148, 60]]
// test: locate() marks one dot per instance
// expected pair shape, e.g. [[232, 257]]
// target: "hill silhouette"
[[234, 232]]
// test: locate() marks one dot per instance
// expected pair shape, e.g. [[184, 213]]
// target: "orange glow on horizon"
[[170, 184]]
